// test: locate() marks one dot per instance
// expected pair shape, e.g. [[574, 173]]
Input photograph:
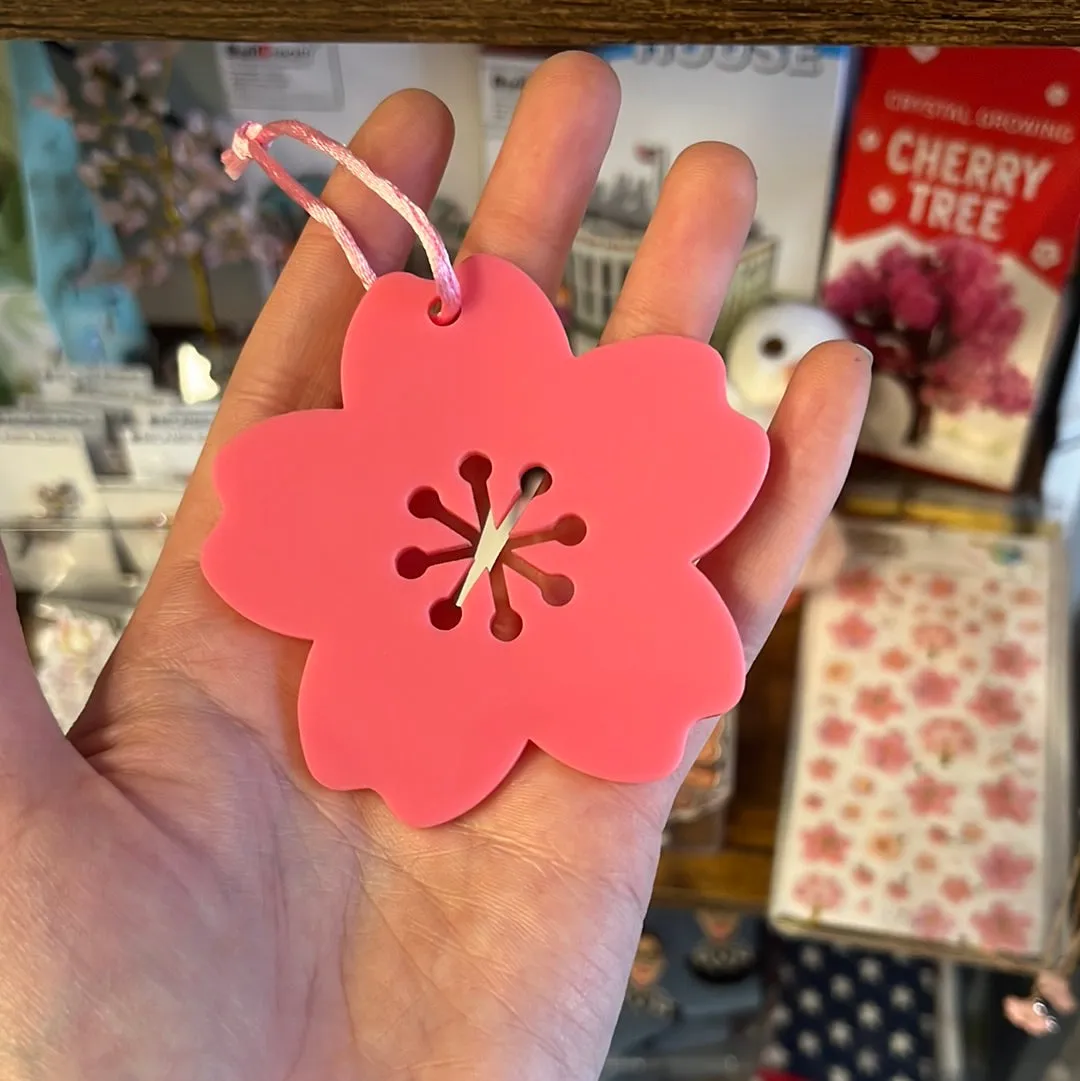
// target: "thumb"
[[31, 743]]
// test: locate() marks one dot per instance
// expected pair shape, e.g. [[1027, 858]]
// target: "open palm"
[[178, 899]]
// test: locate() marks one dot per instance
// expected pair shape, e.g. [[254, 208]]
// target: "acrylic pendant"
[[492, 543]]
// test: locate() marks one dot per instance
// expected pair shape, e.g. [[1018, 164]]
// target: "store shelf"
[[556, 22], [738, 876]]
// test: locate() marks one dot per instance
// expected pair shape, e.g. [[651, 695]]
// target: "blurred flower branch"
[[942, 322], [156, 172]]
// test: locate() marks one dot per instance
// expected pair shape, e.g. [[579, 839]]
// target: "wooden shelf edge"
[[554, 23], [731, 878]]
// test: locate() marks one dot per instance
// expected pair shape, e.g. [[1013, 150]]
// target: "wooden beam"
[[555, 22]]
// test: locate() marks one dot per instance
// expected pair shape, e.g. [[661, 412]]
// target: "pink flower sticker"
[[888, 753], [1011, 659], [947, 739], [426, 706], [1003, 869], [822, 769], [895, 660], [834, 732], [933, 637], [996, 707], [1001, 927], [938, 835], [860, 584], [814, 801], [1025, 744], [928, 796], [1006, 799], [931, 688], [877, 703], [824, 844], [926, 862], [853, 632], [932, 922], [955, 890], [818, 892], [862, 875], [939, 587], [897, 890]]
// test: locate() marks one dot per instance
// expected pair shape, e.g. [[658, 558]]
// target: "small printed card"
[[928, 780], [52, 519]]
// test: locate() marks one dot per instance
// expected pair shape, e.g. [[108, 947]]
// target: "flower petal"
[[280, 541], [626, 668], [374, 715]]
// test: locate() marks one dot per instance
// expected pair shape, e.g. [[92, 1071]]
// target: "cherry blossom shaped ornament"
[[492, 543]]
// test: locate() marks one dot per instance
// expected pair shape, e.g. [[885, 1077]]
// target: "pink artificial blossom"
[[943, 321]]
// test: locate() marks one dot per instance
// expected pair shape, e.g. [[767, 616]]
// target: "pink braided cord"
[[251, 142]]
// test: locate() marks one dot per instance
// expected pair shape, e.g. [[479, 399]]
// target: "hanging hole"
[[570, 530], [411, 563], [534, 474], [506, 625], [475, 468], [444, 614], [557, 590], [436, 316], [772, 346], [424, 503]]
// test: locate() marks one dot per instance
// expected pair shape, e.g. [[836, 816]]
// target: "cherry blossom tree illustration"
[[942, 322], [156, 173]]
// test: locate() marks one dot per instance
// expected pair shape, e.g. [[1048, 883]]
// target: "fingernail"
[[865, 352]]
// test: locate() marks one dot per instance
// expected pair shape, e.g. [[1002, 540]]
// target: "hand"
[[179, 900]]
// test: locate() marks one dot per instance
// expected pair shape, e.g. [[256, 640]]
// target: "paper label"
[[953, 236], [287, 75]]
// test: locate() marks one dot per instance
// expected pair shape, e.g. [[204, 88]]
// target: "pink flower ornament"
[[591, 634]]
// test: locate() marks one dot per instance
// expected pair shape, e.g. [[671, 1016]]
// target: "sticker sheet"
[[928, 729]]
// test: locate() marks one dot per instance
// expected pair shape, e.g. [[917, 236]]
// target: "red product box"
[[953, 237]]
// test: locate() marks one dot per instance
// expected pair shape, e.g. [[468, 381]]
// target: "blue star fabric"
[[851, 1015]]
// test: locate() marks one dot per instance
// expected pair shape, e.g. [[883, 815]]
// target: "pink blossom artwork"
[[1002, 927], [933, 637], [1007, 799], [860, 584], [888, 753], [818, 892], [1027, 596], [1025, 744], [995, 707], [939, 586], [895, 660], [942, 322], [1003, 869], [929, 796], [877, 703], [930, 921], [898, 890], [929, 755], [947, 738], [853, 632], [955, 890], [824, 844], [834, 732], [862, 875], [933, 688], [1011, 659]]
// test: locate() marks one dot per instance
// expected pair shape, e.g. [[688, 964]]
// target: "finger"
[[812, 439], [292, 358], [688, 255], [535, 198], [29, 735]]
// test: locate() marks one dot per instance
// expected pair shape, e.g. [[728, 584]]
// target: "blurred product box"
[[781, 105], [952, 241]]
